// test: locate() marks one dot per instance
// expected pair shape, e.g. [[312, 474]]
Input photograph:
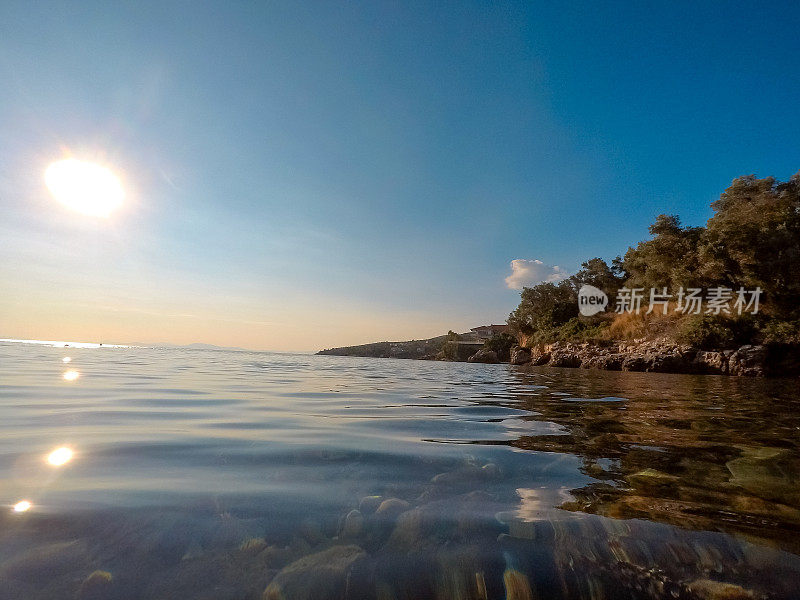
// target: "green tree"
[[544, 306], [670, 259], [753, 239], [596, 272]]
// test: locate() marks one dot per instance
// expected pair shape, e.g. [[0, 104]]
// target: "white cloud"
[[525, 273]]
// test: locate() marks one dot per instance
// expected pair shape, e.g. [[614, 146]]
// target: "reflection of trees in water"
[[711, 453]]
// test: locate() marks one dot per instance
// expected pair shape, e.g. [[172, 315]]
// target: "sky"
[[307, 175]]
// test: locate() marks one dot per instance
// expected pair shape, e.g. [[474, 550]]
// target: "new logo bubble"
[[591, 300]]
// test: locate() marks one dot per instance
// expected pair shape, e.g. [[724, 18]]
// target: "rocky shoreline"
[[661, 356], [656, 356]]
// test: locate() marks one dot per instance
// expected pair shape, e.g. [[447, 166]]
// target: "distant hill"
[[198, 346], [195, 346], [436, 348], [419, 349]]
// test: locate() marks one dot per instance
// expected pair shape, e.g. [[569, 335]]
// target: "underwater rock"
[[311, 531], [653, 479], [479, 497], [408, 533], [253, 545], [459, 573], [194, 550], [767, 473], [480, 586], [520, 356], [275, 557], [96, 586], [484, 356], [48, 560], [455, 478], [320, 576], [708, 589], [231, 531], [299, 546], [490, 471], [353, 524], [517, 585], [391, 508], [369, 504]]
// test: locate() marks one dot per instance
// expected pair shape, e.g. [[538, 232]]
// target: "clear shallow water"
[[211, 474]]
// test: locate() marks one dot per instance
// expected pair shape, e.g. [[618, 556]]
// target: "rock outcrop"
[[520, 356], [655, 356], [659, 356], [748, 361], [484, 356]]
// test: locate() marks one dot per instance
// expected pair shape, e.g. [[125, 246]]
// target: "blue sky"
[[302, 175]]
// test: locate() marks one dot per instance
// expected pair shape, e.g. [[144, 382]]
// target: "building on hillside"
[[484, 332]]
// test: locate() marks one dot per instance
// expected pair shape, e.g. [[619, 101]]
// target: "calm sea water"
[[233, 475]]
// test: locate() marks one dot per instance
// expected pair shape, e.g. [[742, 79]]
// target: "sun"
[[86, 187], [60, 456]]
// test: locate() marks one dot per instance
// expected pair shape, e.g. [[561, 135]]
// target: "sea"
[[169, 473]]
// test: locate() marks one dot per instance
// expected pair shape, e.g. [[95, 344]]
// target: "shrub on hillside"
[[575, 330], [781, 332], [706, 331]]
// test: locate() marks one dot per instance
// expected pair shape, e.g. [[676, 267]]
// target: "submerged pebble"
[[319, 576], [708, 589], [353, 524], [96, 586], [311, 531], [490, 471], [517, 585], [392, 507], [253, 545], [369, 504]]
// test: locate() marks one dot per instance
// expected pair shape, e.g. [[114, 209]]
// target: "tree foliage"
[[544, 306], [752, 240], [669, 259], [598, 273]]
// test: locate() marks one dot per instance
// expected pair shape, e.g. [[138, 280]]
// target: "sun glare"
[[71, 375], [86, 187], [22, 506], [59, 456]]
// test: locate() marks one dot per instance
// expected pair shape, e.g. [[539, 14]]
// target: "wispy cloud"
[[527, 272]]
